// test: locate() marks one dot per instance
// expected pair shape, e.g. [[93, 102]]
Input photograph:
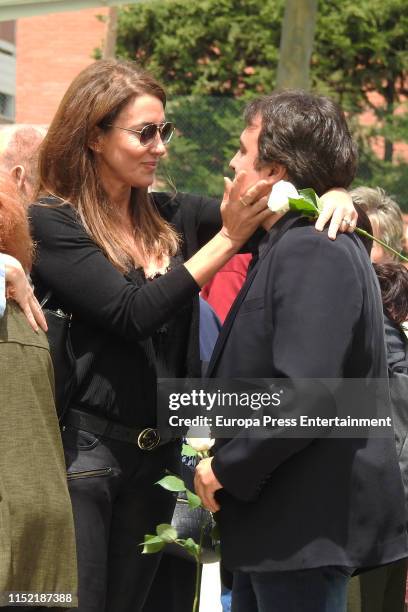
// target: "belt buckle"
[[148, 439]]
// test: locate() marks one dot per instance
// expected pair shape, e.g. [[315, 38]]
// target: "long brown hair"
[[68, 169], [15, 239]]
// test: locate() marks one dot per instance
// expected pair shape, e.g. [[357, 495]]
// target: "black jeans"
[[116, 502]]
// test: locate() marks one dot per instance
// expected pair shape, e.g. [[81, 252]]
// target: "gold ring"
[[242, 202], [346, 220]]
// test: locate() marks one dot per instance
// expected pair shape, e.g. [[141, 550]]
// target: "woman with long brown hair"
[[37, 542], [128, 266]]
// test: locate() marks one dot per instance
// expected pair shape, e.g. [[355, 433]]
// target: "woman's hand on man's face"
[[244, 210]]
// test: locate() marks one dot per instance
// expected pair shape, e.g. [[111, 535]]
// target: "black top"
[[395, 341], [126, 330]]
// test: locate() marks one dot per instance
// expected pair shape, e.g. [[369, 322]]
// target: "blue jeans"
[[226, 596], [323, 589]]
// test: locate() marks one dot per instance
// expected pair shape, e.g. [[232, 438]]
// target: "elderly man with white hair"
[[19, 146]]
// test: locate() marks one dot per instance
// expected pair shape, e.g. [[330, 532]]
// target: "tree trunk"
[[109, 47], [296, 44], [389, 97]]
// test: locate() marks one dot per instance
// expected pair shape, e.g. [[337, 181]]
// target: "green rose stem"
[[198, 568], [309, 205], [383, 244], [166, 534]]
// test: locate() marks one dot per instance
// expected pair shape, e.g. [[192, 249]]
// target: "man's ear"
[[278, 172], [19, 176]]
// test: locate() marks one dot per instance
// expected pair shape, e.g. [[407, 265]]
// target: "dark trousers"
[[322, 589], [116, 502], [173, 586]]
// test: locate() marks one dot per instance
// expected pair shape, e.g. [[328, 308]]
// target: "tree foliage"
[[209, 47], [361, 56], [218, 52]]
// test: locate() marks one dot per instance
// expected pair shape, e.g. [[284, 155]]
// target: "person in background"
[[37, 550], [222, 290], [18, 159], [383, 589], [385, 218], [19, 146]]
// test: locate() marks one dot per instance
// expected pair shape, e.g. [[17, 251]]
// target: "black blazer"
[[115, 316], [309, 308]]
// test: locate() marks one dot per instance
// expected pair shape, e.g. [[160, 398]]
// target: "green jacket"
[[37, 544]]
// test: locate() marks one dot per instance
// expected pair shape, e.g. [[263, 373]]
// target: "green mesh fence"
[[207, 137]]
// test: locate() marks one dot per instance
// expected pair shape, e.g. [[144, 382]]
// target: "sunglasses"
[[149, 132]]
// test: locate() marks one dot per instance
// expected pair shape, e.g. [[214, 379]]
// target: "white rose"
[[200, 444], [278, 201]]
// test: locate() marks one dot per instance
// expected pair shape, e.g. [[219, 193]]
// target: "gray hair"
[[19, 145], [376, 203]]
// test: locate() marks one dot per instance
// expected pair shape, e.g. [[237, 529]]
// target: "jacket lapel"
[[277, 231]]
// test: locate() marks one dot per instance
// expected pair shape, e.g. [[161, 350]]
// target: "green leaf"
[[303, 206], [172, 483], [193, 500], [152, 544], [192, 547], [188, 451], [166, 532], [310, 196]]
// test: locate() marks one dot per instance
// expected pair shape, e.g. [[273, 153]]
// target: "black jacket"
[[310, 308], [121, 322]]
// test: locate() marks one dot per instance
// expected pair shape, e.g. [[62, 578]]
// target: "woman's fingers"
[[336, 223], [20, 290], [227, 190], [324, 217], [343, 220], [258, 192], [337, 207], [237, 186], [29, 316], [353, 217], [240, 209], [38, 313], [28, 303]]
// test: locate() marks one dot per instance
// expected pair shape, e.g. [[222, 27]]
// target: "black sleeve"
[[317, 302], [84, 281], [199, 216], [210, 222], [396, 343]]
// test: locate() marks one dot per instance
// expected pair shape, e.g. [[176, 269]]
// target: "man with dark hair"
[[299, 515], [307, 136]]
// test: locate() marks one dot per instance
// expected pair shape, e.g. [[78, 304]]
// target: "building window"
[[7, 80], [7, 106]]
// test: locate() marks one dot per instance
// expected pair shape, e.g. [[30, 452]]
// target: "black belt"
[[147, 438]]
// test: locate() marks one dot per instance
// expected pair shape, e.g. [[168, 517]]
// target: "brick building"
[[50, 50]]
